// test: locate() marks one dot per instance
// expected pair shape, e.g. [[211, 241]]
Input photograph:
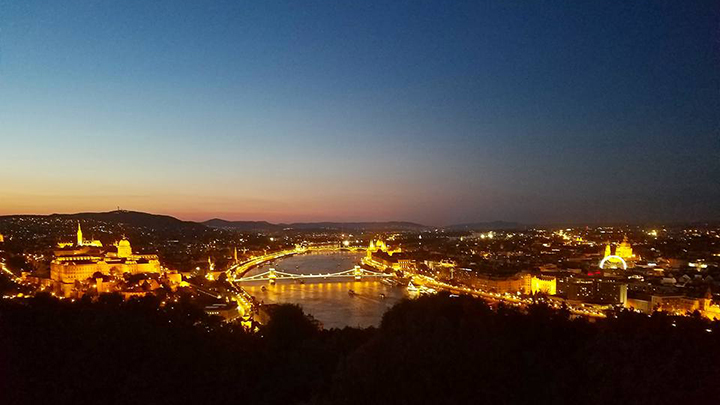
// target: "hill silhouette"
[[305, 226], [436, 349]]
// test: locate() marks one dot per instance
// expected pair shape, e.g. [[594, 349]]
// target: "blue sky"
[[430, 111]]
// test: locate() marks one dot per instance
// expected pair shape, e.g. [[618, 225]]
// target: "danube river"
[[328, 301]]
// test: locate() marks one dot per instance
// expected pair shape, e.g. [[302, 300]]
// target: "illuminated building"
[[2, 238], [379, 255], [173, 277], [499, 284], [623, 253], [229, 311], [380, 246], [596, 290], [79, 241], [123, 248], [624, 250], [674, 304], [518, 283], [80, 261], [543, 285]]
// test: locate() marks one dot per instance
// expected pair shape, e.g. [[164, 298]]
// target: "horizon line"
[[468, 223]]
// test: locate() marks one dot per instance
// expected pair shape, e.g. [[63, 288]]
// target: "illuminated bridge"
[[273, 275], [239, 269]]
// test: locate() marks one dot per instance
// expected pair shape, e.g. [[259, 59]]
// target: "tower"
[[79, 235], [607, 250], [235, 255]]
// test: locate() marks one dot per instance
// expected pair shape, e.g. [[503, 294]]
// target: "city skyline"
[[425, 112], [359, 202]]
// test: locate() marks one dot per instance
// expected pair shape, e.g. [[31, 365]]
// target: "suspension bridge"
[[272, 275]]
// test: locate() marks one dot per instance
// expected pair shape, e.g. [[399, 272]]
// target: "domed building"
[[380, 256], [123, 248], [624, 249], [76, 262]]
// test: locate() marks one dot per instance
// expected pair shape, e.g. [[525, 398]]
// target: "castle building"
[[79, 261]]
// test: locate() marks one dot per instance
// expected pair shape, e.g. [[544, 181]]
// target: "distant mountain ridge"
[[167, 222], [242, 225], [350, 226], [134, 218], [486, 226]]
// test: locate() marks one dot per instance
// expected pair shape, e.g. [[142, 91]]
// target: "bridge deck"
[[279, 275]]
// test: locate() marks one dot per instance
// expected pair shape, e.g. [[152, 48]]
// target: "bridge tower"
[[272, 276], [358, 273]]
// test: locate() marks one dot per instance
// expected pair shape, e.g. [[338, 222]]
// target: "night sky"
[[437, 112]]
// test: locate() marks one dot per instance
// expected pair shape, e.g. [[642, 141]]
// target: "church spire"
[[79, 235]]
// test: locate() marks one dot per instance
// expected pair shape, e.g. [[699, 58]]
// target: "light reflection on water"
[[328, 302]]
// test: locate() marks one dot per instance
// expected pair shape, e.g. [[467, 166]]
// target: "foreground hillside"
[[432, 350]]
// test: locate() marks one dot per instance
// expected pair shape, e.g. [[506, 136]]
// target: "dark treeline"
[[431, 350]]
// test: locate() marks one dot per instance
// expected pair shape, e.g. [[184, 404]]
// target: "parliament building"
[[380, 256]]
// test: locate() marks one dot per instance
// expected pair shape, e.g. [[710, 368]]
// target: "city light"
[[367, 202]]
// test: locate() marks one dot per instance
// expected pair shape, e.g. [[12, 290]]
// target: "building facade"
[[79, 261], [596, 290], [380, 256]]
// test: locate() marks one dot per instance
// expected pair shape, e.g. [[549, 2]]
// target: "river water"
[[328, 301]]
